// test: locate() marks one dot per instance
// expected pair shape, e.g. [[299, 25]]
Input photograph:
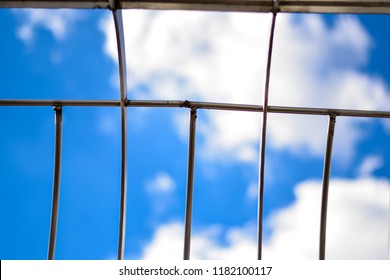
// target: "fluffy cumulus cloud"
[[222, 56], [358, 221], [57, 22], [357, 228], [168, 243]]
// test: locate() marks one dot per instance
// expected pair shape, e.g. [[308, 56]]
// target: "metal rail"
[[56, 183], [325, 185], [264, 135], [120, 38], [76, 103], [265, 6], [200, 105], [388, 235], [190, 185]]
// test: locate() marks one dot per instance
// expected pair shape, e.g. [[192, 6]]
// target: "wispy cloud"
[[370, 165], [57, 22]]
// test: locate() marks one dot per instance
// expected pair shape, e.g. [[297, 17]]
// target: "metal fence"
[[265, 6]]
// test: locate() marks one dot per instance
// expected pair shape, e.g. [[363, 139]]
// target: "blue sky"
[[319, 61]]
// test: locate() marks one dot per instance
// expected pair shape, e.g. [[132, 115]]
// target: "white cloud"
[[161, 190], [164, 47], [56, 21], [318, 66], [168, 243], [369, 165], [357, 228], [161, 183], [230, 136], [252, 191], [222, 56]]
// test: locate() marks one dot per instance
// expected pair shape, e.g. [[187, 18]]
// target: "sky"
[[337, 61]]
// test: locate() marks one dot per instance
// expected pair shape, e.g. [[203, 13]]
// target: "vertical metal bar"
[[190, 185], [117, 14], [388, 238], [263, 141], [56, 183], [325, 184]]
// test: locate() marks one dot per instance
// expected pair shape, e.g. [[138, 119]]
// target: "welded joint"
[[114, 4], [57, 108], [194, 111], [275, 7], [332, 120], [188, 104]]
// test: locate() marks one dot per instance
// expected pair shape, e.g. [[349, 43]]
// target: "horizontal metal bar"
[[202, 5], [155, 103], [223, 106], [328, 112], [200, 105], [300, 6], [86, 103], [335, 6], [66, 4]]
